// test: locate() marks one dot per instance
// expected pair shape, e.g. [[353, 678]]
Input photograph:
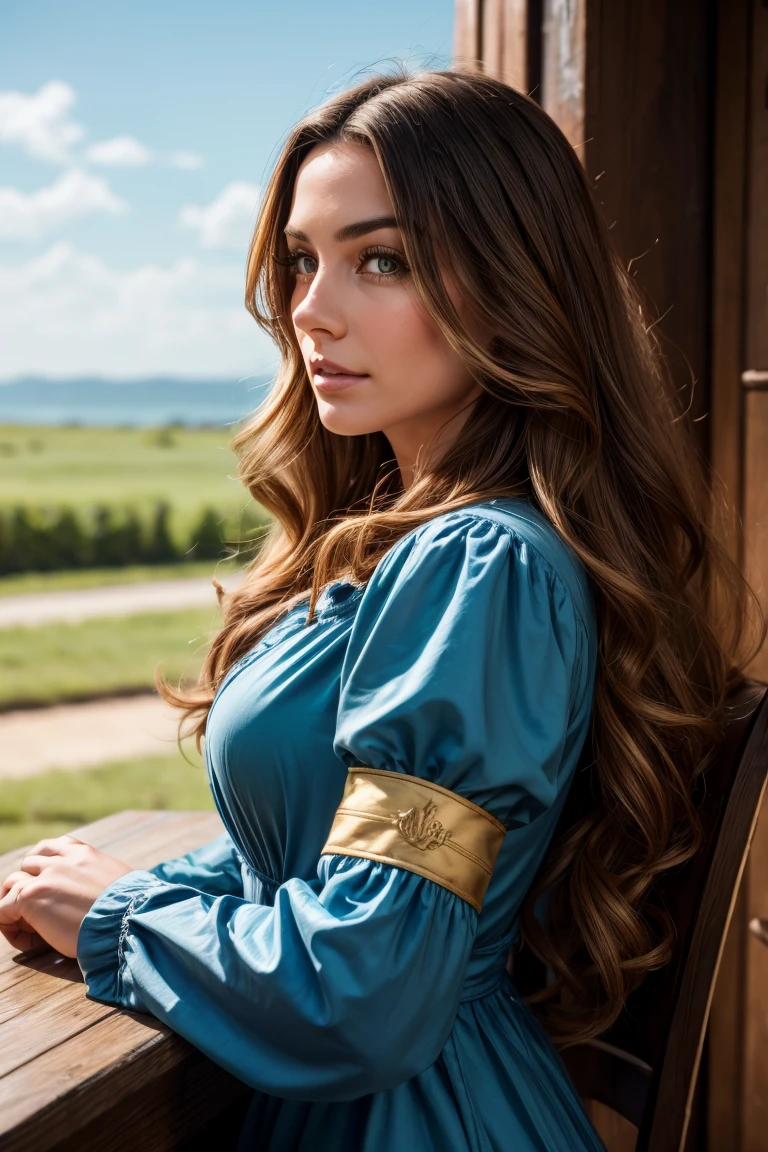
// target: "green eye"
[[385, 260], [396, 264]]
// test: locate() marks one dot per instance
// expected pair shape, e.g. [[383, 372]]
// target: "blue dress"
[[368, 1006]]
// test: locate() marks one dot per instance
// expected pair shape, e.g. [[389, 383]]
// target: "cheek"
[[430, 372], [407, 346]]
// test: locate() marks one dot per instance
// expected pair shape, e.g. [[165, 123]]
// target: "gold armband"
[[417, 825]]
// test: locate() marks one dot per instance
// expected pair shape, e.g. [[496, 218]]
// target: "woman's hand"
[[47, 899]]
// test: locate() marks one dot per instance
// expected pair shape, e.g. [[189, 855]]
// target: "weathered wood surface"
[[76, 1073]]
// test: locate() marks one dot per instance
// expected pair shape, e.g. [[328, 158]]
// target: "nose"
[[321, 309]]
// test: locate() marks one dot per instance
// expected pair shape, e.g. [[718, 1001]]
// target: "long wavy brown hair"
[[578, 416]]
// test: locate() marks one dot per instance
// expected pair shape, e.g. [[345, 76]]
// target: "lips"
[[323, 367], [330, 378]]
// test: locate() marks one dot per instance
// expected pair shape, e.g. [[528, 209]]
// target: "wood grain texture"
[[466, 35], [754, 974], [757, 219], [729, 239], [756, 506], [517, 67], [649, 130], [77, 1073], [492, 37], [755, 1087], [564, 54]]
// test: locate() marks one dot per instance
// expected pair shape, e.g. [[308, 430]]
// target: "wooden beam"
[[518, 67], [467, 53], [729, 223], [564, 57], [648, 126], [757, 212]]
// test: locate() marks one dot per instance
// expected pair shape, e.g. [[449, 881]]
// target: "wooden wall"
[[738, 1103], [666, 102], [625, 81]]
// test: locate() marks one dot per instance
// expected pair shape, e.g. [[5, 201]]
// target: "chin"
[[346, 423]]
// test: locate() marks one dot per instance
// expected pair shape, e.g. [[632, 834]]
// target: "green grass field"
[[101, 656], [82, 467], [59, 802], [29, 582]]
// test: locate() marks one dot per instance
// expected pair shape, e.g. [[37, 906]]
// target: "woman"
[[490, 564]]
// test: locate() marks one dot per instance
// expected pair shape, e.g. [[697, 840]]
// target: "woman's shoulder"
[[530, 540]]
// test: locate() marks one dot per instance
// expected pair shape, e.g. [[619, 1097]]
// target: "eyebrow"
[[350, 231]]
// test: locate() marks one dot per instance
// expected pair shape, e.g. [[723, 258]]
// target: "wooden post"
[[755, 510]]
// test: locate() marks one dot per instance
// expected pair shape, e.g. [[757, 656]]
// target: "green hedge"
[[57, 539]]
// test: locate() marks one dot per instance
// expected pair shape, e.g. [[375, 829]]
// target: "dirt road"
[[74, 736], [36, 609]]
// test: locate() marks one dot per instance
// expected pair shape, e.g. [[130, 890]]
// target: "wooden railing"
[[77, 1074]]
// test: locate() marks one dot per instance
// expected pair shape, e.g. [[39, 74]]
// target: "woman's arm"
[[213, 868], [347, 985], [459, 672]]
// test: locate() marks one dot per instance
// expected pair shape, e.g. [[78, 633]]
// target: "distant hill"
[[144, 402]]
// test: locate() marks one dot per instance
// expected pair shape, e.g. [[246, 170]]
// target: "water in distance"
[[139, 403]]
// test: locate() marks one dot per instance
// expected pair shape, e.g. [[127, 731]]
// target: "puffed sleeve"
[[458, 671]]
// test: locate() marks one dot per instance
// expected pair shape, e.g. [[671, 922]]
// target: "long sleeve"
[[213, 868], [459, 670]]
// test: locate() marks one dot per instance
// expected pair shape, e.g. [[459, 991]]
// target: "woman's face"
[[354, 304]]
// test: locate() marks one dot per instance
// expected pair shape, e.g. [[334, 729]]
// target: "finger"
[[14, 925], [10, 910], [54, 847], [23, 937], [11, 879], [34, 865]]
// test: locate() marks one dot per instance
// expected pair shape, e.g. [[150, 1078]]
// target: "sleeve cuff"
[[103, 930]]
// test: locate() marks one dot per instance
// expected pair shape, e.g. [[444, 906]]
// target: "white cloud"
[[128, 152], [30, 215], [40, 123], [66, 312], [185, 160], [227, 221], [121, 152]]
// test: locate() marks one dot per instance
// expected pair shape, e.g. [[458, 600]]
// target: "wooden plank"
[[466, 35], [142, 839], [725, 1057], [167, 1111], [649, 131], [757, 222], [47, 1024], [518, 68], [564, 57], [726, 1034], [756, 507], [754, 1095], [18, 996], [66, 1060], [755, 1056], [755, 1086], [492, 37], [65, 1088], [727, 418]]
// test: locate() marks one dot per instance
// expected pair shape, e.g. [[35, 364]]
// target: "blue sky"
[[134, 139]]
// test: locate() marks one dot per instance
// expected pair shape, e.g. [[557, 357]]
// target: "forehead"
[[337, 180]]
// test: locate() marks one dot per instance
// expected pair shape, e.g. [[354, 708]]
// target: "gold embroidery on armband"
[[417, 825]]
